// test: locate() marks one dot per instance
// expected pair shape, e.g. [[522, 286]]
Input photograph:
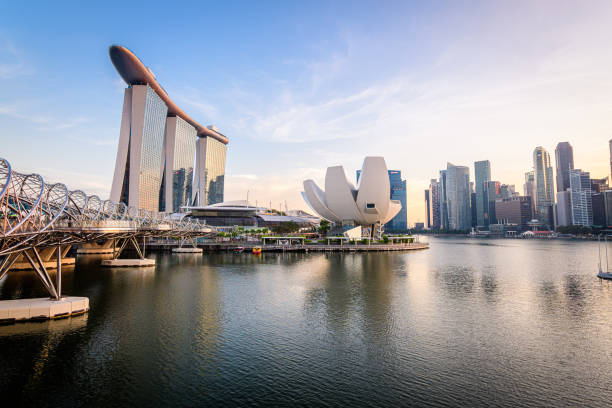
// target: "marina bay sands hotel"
[[165, 160]]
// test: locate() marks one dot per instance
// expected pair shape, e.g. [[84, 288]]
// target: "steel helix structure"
[[34, 213]]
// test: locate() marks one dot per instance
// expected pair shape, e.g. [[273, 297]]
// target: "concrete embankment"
[[213, 247]]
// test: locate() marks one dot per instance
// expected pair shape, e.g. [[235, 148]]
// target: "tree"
[[286, 227], [324, 226]]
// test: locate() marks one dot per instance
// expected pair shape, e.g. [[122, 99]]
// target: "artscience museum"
[[365, 208]]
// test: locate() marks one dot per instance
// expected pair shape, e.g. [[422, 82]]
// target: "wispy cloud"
[[194, 100], [64, 124], [27, 111], [13, 62]]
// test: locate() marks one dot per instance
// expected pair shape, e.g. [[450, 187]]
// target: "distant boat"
[[256, 251], [604, 274], [238, 250]]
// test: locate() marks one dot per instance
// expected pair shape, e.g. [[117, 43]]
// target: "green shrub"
[[385, 239]]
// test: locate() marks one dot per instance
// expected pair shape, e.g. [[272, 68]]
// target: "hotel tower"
[[165, 159]]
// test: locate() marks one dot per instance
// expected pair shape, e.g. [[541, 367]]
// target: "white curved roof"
[[341, 201]]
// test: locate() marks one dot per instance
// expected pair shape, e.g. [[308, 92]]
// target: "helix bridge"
[[40, 221]]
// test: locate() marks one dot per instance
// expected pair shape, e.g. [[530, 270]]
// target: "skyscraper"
[[138, 169], [179, 153], [154, 169], [563, 209], [482, 174], [493, 189], [434, 198], [398, 192], [580, 198], [507, 191], [209, 182], [610, 146], [599, 185], [543, 175], [443, 201], [599, 209], [529, 188], [458, 197], [564, 160], [427, 210]]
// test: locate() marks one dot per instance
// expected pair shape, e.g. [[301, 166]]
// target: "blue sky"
[[301, 86]]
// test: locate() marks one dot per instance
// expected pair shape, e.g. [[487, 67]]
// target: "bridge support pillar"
[[192, 250], [48, 256], [140, 262], [105, 247]]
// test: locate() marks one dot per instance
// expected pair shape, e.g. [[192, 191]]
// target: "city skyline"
[[306, 101]]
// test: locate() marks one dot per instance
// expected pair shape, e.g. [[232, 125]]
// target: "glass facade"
[[580, 197], [215, 171], [482, 174], [564, 157], [434, 198], [543, 175], [458, 197], [151, 160], [182, 170], [398, 192]]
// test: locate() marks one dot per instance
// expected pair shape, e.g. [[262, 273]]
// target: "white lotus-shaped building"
[[367, 205]]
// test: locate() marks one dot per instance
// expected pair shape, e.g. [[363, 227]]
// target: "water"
[[465, 323]]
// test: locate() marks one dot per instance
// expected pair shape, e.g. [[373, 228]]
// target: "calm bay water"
[[465, 323]]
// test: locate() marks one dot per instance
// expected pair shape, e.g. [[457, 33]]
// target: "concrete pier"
[[41, 308], [189, 250], [136, 263], [106, 247]]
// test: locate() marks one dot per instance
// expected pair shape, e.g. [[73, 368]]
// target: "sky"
[[301, 86]]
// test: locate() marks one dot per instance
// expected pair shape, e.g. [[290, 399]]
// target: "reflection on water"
[[466, 323]]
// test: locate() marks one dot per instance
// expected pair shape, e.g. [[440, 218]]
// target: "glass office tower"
[[434, 198], [564, 158], [580, 197], [482, 175], [458, 197], [398, 192], [138, 169], [543, 175]]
